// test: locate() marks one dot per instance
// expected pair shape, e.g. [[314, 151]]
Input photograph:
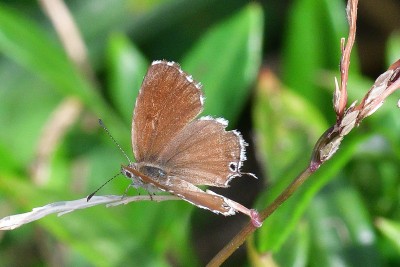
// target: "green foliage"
[[331, 219]]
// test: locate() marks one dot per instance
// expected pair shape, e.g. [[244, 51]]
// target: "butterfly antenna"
[[92, 194], [115, 142]]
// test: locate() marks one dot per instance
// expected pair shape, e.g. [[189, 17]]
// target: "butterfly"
[[174, 151]]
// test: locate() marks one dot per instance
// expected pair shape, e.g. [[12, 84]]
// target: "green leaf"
[[126, 68], [226, 61], [25, 105], [282, 135], [312, 45], [277, 228], [295, 251], [390, 230], [342, 230], [32, 48], [393, 48]]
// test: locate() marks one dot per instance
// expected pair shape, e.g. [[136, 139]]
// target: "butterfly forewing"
[[203, 153], [168, 100]]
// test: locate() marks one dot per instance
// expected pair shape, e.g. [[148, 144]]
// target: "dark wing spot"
[[233, 166]]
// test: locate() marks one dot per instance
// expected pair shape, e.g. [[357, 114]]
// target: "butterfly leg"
[[126, 191], [151, 195]]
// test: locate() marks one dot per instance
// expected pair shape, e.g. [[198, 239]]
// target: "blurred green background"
[[266, 66]]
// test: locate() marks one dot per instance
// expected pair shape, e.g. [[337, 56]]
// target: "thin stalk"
[[249, 228]]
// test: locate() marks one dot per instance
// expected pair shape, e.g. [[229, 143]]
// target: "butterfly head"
[[129, 172], [144, 176]]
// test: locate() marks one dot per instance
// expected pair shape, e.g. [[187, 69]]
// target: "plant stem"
[[249, 228]]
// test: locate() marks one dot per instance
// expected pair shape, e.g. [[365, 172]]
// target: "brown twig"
[[60, 120], [69, 109], [69, 35], [328, 143], [249, 228], [340, 106]]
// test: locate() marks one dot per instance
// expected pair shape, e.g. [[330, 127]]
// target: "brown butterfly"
[[174, 151]]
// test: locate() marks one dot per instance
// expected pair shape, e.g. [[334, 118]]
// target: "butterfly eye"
[[127, 173]]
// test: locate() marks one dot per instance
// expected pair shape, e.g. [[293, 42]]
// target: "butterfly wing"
[[203, 153], [205, 200], [168, 100], [188, 192]]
